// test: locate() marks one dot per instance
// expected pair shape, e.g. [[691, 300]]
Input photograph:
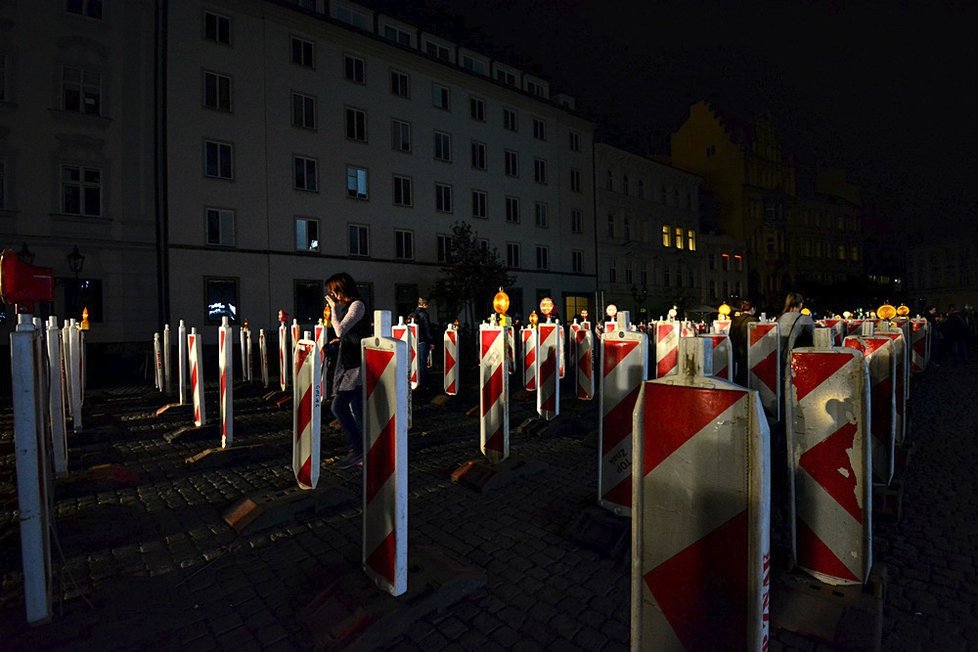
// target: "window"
[[473, 65], [854, 253], [575, 180], [358, 240], [303, 111], [443, 146], [513, 210], [840, 252], [643, 275], [691, 239], [624, 184], [628, 272], [81, 91], [577, 261], [510, 120], [218, 160], [543, 257], [217, 28], [539, 129], [444, 248], [303, 52], [477, 109], [738, 262], [401, 135], [540, 170], [678, 240], [482, 244], [403, 244], [356, 125], [725, 262], [400, 84], [626, 230], [479, 204], [81, 191], [577, 221], [351, 17], [575, 141], [512, 163], [403, 195], [305, 172], [217, 91], [478, 155], [354, 69], [437, 51], [306, 234], [541, 215], [89, 8], [513, 255], [308, 301], [221, 296], [443, 198], [356, 182], [441, 97], [506, 77], [666, 280], [220, 226], [666, 236], [611, 225], [641, 189], [609, 181], [397, 35], [534, 89], [612, 271]]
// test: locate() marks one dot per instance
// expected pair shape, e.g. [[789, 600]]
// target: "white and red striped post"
[[74, 374], [306, 407], [296, 332], [157, 363], [880, 357], [56, 405], [243, 350], [414, 379], [283, 357], [494, 393], [225, 362], [400, 331], [624, 357], [701, 563], [530, 340], [263, 357], [666, 348], [320, 332], [918, 345], [722, 355], [828, 420], [510, 347], [450, 360], [584, 363], [838, 328], [722, 326], [548, 389], [764, 364], [167, 366], [196, 360], [902, 377], [182, 362], [561, 346], [249, 360], [385, 480]]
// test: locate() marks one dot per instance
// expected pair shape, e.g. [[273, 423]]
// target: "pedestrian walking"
[[426, 342], [739, 332]]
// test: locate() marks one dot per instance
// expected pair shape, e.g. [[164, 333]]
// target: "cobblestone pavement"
[[147, 562]]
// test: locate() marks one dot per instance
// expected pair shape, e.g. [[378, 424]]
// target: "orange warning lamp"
[[724, 310], [500, 302], [584, 314], [546, 306], [611, 310], [902, 310], [847, 314], [84, 323], [534, 319], [886, 312], [327, 313], [806, 311]]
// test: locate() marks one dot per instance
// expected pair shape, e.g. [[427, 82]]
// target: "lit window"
[[679, 237], [222, 299], [691, 240], [666, 236], [306, 234], [356, 182]]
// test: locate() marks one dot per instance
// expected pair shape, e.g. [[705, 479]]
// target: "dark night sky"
[[885, 91]]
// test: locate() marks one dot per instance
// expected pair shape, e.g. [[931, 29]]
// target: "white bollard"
[[722, 355], [283, 357], [450, 360], [401, 332], [74, 373], [242, 351], [167, 368], [666, 347], [182, 362], [494, 394], [158, 362], [584, 363], [561, 346], [249, 362], [296, 332], [306, 404], [263, 356], [225, 363], [320, 332], [530, 339], [385, 481], [880, 357], [56, 405], [196, 361], [413, 354], [548, 387], [764, 365]]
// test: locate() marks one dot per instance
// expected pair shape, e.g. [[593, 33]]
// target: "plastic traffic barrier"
[[530, 339], [764, 365], [918, 345], [319, 334], [561, 351], [73, 371], [666, 347], [158, 363], [450, 360], [624, 356], [900, 352], [548, 387], [722, 355], [182, 362], [494, 393], [196, 360], [838, 328], [400, 331], [167, 367], [296, 333], [510, 349], [283, 357], [385, 366], [413, 354], [880, 356], [307, 400], [249, 360], [701, 559], [263, 356], [584, 363], [243, 350], [225, 363], [56, 402], [828, 424]]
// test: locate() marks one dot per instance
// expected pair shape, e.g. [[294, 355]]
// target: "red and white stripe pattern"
[[624, 355], [283, 357], [701, 564], [385, 479], [666, 348], [157, 362], [828, 436], [918, 345], [196, 361], [225, 362], [561, 350], [722, 355], [243, 347], [688, 329], [450, 360], [764, 365], [320, 331], [722, 326], [413, 327], [493, 395], [182, 362], [401, 332], [854, 326], [510, 349], [839, 330], [902, 377], [249, 360], [296, 332], [263, 356], [609, 326], [306, 407], [584, 352], [881, 359], [548, 387], [530, 339]]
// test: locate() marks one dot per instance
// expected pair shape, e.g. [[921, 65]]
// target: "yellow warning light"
[[546, 305], [903, 310], [724, 309], [806, 311], [500, 302], [611, 310], [534, 319], [84, 324], [847, 315], [886, 312]]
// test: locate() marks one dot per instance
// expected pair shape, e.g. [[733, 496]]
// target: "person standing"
[[350, 325], [739, 332], [426, 342], [796, 329]]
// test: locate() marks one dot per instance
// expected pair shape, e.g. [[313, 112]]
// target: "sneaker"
[[351, 460]]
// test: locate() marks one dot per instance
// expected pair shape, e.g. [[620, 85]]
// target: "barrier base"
[[888, 500], [479, 475], [845, 617], [173, 409], [531, 426], [351, 614], [230, 455], [595, 528], [191, 433], [259, 511], [101, 477], [441, 400]]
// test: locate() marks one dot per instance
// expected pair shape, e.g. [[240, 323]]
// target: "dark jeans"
[[423, 372], [347, 407]]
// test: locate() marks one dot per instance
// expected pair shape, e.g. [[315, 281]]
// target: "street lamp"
[[26, 255], [76, 261], [640, 296]]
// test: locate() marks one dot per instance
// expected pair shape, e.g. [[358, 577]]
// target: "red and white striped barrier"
[[182, 362], [320, 335], [561, 351], [838, 328], [918, 345], [854, 326], [688, 329], [701, 563], [584, 363], [296, 332], [56, 403], [196, 361], [385, 480], [828, 424], [510, 348], [721, 326], [401, 332], [666, 348], [263, 357], [880, 357], [413, 342], [450, 360], [722, 355], [494, 394], [902, 382], [624, 355], [548, 387], [307, 400], [530, 340], [609, 326], [225, 363], [167, 367], [249, 361], [243, 351], [73, 372], [157, 363], [283, 357], [764, 365]]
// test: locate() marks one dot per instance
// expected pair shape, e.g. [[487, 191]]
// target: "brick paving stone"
[[590, 639], [452, 627]]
